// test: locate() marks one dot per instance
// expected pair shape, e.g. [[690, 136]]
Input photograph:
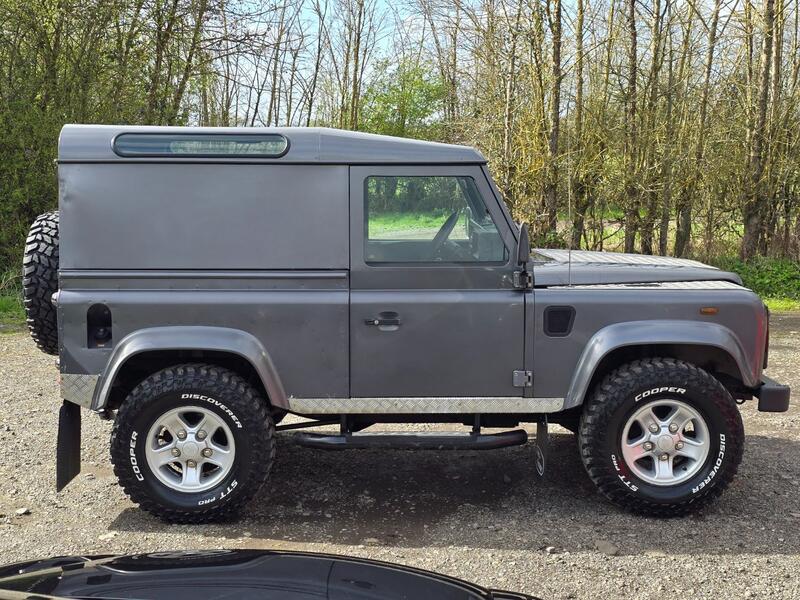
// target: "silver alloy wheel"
[[190, 449], [665, 442]]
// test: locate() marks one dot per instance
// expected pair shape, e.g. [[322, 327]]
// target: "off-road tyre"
[[230, 397], [40, 281], [614, 400]]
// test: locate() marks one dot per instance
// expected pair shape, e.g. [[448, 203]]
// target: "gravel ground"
[[480, 516]]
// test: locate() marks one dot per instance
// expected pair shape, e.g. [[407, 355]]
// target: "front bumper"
[[772, 396]]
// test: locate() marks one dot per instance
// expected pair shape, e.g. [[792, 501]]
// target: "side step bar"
[[413, 441]]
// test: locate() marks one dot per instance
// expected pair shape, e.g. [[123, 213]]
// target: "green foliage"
[[476, 73], [548, 239], [387, 222], [73, 61], [12, 311], [27, 175], [404, 101], [777, 279], [782, 304]]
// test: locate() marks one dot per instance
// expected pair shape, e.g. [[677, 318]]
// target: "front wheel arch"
[[712, 359]]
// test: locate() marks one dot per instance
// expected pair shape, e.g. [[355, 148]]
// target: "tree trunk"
[[649, 142], [356, 92], [756, 198], [576, 172], [188, 67], [631, 192], [550, 192], [508, 108], [666, 164], [164, 29], [683, 239], [318, 10]]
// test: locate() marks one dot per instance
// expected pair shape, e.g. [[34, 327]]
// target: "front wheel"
[[661, 437], [192, 443]]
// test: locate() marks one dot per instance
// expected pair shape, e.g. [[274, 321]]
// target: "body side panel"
[[609, 319], [300, 323], [162, 216], [449, 343]]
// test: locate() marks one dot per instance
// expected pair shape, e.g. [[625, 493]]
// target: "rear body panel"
[[229, 217], [301, 320]]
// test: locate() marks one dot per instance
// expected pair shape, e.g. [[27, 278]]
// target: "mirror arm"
[[523, 246], [523, 280]]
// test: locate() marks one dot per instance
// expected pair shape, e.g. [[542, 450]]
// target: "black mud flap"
[[68, 447]]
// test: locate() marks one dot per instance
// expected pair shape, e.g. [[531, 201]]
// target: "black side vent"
[[558, 320]]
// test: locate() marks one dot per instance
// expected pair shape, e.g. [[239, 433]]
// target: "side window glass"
[[428, 219]]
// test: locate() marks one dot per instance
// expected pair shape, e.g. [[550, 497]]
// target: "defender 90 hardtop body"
[[285, 257]]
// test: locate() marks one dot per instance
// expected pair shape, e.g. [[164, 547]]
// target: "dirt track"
[[480, 516]]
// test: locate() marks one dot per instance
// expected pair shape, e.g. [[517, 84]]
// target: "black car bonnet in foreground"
[[232, 574]]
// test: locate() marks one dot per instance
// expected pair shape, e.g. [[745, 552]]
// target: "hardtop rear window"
[[225, 145]]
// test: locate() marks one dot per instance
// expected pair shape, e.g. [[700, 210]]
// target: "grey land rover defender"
[[198, 284]]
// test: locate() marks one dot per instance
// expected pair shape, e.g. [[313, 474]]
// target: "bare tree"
[[631, 146], [755, 199]]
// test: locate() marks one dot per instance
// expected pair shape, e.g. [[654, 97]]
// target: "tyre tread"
[[40, 281]]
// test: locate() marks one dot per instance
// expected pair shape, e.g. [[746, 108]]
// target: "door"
[[433, 309]]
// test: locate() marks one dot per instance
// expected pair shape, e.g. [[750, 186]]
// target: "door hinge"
[[523, 280], [522, 379]]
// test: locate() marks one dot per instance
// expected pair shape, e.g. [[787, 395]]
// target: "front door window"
[[425, 219]]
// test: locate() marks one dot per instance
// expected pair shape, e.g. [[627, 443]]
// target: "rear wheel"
[[661, 437], [193, 443], [40, 281]]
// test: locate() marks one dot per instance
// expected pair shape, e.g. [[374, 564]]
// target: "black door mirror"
[[523, 245]]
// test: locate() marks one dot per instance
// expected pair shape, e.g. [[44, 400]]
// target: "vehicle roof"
[[93, 143]]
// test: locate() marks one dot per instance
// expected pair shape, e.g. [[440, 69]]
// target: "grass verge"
[[782, 304], [12, 313]]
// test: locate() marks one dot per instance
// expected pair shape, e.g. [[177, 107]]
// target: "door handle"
[[383, 322], [387, 320]]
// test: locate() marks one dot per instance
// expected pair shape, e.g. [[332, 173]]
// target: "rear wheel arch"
[[147, 351], [140, 366]]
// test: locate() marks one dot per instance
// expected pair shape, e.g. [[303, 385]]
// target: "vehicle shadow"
[[495, 500]]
